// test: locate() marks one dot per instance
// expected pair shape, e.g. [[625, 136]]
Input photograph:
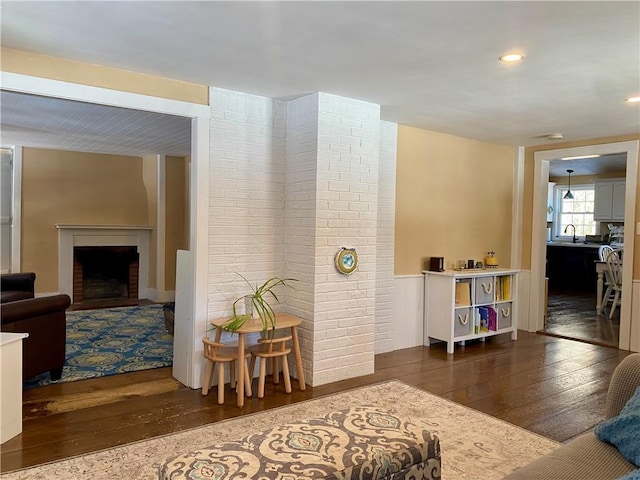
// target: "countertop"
[[574, 245]]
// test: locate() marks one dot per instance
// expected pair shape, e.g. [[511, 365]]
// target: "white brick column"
[[346, 215], [385, 236], [302, 151], [291, 183]]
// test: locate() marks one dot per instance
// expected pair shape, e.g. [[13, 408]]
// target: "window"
[[577, 212]]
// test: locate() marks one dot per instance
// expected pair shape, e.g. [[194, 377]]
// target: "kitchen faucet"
[[574, 239]]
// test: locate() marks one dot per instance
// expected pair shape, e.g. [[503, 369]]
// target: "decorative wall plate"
[[346, 260]]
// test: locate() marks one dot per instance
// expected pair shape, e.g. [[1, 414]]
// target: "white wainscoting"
[[524, 295], [408, 311]]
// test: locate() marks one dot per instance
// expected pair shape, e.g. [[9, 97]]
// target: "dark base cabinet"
[[572, 268]]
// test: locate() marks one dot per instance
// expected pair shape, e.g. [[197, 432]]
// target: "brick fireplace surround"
[[117, 236], [122, 269]]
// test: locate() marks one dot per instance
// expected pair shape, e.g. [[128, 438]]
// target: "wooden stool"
[[272, 349], [219, 353]]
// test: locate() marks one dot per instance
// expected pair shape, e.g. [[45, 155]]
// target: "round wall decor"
[[346, 260]]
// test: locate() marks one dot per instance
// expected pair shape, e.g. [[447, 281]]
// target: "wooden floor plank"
[[551, 386]]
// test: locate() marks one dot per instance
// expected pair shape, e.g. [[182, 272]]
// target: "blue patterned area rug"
[[109, 341]]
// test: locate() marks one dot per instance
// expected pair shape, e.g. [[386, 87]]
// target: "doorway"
[[187, 368], [543, 161], [581, 218]]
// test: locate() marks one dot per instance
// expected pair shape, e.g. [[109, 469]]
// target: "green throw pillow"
[[623, 431]]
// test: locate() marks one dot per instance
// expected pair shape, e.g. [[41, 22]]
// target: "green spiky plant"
[[260, 304]]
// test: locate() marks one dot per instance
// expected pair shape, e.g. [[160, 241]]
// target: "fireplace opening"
[[105, 273]]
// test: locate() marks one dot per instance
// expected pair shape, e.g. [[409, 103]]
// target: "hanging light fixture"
[[569, 195]]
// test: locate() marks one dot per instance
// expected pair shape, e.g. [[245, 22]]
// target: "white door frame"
[[538, 244], [199, 190]]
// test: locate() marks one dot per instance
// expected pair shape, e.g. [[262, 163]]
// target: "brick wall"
[[385, 236], [301, 181], [347, 191], [291, 183], [247, 174]]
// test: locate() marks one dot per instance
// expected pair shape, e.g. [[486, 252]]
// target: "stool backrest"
[[276, 344], [210, 348]]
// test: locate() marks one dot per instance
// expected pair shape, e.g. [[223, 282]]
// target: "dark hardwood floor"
[[552, 386], [573, 315]]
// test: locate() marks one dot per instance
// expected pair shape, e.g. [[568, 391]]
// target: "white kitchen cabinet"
[[617, 207], [609, 200], [466, 305]]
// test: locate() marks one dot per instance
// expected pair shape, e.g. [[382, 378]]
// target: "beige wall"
[[453, 199], [74, 188], [150, 180], [528, 196], [26, 63], [176, 216]]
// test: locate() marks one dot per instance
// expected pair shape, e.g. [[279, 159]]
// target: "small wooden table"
[[283, 320]]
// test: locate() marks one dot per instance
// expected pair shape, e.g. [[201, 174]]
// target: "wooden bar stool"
[[220, 353], [271, 349]]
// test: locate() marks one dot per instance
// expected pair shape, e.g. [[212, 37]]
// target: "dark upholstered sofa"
[[43, 318], [364, 442], [586, 457], [17, 286]]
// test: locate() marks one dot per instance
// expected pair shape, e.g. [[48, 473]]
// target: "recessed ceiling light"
[[635, 99], [579, 157], [512, 57]]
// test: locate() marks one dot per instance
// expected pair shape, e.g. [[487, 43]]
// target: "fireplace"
[[105, 272], [88, 255]]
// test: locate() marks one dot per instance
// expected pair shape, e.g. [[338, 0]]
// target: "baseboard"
[[46, 294], [161, 296]]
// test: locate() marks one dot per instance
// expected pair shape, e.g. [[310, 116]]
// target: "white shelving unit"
[[469, 304]]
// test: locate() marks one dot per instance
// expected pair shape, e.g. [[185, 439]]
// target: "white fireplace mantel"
[[70, 236]]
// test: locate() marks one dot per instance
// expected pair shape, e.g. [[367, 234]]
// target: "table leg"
[[599, 285], [241, 367], [296, 352], [218, 334]]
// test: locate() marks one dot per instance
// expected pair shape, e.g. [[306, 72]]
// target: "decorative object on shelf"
[[569, 195], [346, 260], [491, 261], [256, 304], [436, 264]]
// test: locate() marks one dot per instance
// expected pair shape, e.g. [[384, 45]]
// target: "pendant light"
[[569, 195]]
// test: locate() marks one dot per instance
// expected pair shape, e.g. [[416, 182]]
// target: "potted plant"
[[257, 302]]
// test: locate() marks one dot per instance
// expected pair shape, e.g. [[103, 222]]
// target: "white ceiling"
[[432, 65], [44, 122], [613, 164]]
